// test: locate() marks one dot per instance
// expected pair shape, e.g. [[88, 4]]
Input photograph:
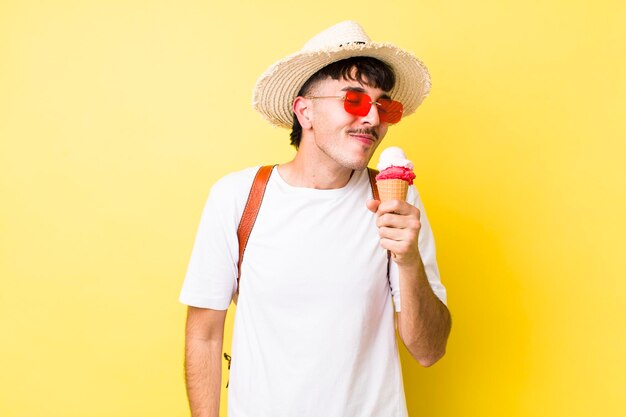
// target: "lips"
[[367, 139]]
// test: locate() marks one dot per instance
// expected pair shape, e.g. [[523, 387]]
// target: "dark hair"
[[378, 74]]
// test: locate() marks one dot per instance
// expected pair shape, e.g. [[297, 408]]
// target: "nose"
[[372, 117]]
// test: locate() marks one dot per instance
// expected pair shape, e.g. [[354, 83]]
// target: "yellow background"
[[116, 117]]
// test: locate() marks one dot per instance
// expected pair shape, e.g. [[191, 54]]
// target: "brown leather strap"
[[251, 211], [372, 172]]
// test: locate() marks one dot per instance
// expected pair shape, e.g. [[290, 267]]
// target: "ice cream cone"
[[392, 189]]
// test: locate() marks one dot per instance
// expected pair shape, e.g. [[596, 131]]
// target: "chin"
[[355, 165], [349, 157]]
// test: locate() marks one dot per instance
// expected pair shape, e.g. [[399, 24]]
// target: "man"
[[314, 330]]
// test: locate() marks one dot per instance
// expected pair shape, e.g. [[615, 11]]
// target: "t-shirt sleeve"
[[211, 278], [426, 244]]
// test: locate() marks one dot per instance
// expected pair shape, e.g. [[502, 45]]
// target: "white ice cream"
[[393, 156]]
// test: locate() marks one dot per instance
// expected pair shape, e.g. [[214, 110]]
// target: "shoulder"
[[235, 182], [230, 193]]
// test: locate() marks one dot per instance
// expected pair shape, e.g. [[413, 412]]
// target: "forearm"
[[203, 374], [424, 321]]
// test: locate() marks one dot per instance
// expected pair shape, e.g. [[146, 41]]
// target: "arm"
[[424, 321], [204, 334]]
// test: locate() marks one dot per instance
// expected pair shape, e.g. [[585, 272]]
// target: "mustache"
[[371, 132]]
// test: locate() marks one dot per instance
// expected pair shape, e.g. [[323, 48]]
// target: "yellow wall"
[[117, 116]]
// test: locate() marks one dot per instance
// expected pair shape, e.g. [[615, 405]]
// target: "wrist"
[[410, 263]]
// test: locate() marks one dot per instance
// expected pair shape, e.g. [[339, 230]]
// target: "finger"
[[396, 247], [396, 206], [398, 235], [392, 220], [399, 221], [392, 233], [372, 205]]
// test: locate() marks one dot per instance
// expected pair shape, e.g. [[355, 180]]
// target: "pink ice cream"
[[393, 165]]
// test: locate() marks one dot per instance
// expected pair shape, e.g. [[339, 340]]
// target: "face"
[[337, 136]]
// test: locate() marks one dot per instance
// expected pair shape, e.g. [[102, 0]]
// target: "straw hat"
[[279, 85]]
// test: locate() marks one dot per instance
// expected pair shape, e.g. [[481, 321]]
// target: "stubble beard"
[[335, 153]]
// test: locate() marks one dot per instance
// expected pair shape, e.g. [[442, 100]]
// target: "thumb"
[[372, 205]]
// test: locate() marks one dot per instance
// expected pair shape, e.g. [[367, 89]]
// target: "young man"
[[314, 330]]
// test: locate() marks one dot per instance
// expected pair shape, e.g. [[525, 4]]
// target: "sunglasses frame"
[[368, 99]]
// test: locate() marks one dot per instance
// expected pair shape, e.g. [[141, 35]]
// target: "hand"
[[398, 226]]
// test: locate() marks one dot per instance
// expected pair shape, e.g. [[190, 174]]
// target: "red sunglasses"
[[359, 104]]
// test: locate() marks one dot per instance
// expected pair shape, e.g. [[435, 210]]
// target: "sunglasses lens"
[[357, 103], [390, 111]]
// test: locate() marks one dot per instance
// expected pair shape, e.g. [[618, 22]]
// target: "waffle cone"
[[392, 189]]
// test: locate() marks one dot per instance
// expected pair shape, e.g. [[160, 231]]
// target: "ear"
[[302, 111]]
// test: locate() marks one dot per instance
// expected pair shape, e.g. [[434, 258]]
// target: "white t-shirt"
[[314, 330]]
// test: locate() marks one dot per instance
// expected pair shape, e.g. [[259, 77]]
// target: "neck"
[[314, 173]]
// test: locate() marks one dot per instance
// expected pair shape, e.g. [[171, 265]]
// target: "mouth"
[[364, 138]]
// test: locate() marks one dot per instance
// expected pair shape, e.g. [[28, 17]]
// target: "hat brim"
[[279, 85]]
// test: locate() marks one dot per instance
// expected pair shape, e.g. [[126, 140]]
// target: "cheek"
[[331, 121]]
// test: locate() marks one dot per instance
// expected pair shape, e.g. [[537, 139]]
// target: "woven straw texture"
[[278, 86]]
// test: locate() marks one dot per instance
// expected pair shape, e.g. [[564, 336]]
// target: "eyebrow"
[[362, 90]]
